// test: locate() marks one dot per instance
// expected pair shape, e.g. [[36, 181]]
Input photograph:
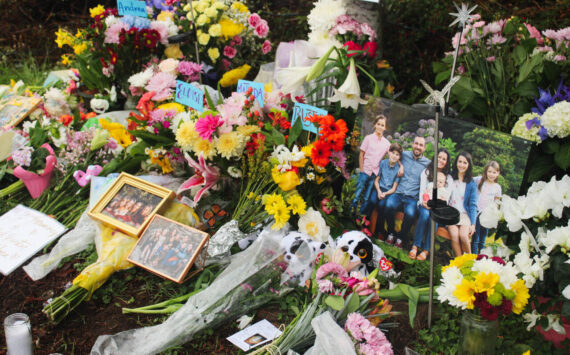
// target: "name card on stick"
[[132, 7], [303, 111], [258, 89], [189, 95]]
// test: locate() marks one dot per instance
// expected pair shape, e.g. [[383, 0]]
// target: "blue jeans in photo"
[[479, 237], [373, 201], [422, 237], [364, 186], [400, 202]]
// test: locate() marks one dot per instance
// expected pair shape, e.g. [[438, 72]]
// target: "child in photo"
[[372, 150], [385, 184], [442, 193], [489, 192]]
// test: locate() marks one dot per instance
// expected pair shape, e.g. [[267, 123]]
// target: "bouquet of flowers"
[[486, 285], [230, 38], [368, 339], [539, 221], [502, 64]]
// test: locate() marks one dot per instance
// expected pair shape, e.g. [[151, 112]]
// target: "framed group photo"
[[170, 249], [130, 203], [16, 108]]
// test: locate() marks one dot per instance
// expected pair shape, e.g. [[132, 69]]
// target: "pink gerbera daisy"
[[207, 125]]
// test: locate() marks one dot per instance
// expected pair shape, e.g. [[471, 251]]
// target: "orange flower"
[[66, 119], [331, 129], [321, 153], [86, 116]]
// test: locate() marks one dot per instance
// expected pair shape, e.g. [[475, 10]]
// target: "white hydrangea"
[[556, 119]]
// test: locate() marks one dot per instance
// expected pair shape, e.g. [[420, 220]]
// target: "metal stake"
[[434, 204]]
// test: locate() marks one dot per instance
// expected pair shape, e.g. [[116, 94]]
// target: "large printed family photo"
[[475, 166]]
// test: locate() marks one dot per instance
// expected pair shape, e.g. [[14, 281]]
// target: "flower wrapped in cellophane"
[[489, 286]]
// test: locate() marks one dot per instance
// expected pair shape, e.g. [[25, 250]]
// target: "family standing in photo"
[[404, 182]]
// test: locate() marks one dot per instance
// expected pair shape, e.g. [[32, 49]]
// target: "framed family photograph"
[[16, 108], [170, 249], [130, 203]]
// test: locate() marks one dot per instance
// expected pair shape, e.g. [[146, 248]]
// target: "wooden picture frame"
[[16, 108], [130, 203], [170, 249]]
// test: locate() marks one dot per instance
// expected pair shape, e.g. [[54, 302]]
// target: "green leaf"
[[335, 302], [528, 66], [550, 146], [520, 54], [139, 148], [438, 67], [151, 138], [295, 132], [527, 89], [442, 76], [562, 157], [38, 136], [413, 297], [209, 99], [539, 168], [565, 309]]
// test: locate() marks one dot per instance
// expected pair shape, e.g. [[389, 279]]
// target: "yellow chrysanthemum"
[[281, 216], [214, 54], [486, 282], [238, 6], [465, 292], [273, 202], [215, 30], [201, 6], [165, 15], [297, 204], [203, 38], [307, 150], [204, 147], [229, 145], [460, 261], [172, 106], [232, 77], [173, 51], [65, 60], [117, 131], [220, 5], [521, 296], [186, 135], [248, 129], [96, 11], [230, 29]]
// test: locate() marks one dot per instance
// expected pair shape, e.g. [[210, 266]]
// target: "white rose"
[[169, 66]]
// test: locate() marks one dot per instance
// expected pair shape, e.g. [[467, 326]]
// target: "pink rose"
[[262, 29], [254, 20], [266, 47], [229, 51]]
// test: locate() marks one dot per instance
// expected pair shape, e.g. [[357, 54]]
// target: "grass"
[[26, 68]]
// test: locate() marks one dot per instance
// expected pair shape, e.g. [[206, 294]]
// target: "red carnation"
[[352, 46], [371, 48]]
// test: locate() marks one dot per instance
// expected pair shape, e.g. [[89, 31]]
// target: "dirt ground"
[[78, 332]]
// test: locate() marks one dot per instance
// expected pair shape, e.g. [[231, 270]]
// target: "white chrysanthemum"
[[556, 119], [313, 224], [451, 278], [55, 103], [323, 16], [560, 195], [323, 41], [140, 80]]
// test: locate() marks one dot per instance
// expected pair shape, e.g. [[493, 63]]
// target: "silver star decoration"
[[438, 97], [462, 15]]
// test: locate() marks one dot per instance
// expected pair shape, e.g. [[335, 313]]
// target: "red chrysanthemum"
[[321, 153]]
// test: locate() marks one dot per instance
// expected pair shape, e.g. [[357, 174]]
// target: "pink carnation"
[[190, 70], [555, 35], [262, 29], [226, 64], [206, 126], [369, 339], [368, 30], [237, 40], [266, 47], [371, 48], [161, 84], [112, 32], [230, 51], [254, 20]]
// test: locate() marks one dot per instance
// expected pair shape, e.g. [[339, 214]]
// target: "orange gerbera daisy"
[[320, 153], [331, 129]]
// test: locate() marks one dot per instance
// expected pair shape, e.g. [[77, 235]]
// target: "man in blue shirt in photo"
[[406, 196]]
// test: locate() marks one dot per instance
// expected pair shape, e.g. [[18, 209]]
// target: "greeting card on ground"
[[255, 335], [23, 232]]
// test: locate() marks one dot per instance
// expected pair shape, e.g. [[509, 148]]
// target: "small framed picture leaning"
[[130, 203], [170, 249]]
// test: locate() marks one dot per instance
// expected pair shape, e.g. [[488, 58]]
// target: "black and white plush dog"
[[356, 252], [300, 254]]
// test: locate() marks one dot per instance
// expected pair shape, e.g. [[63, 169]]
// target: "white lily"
[[292, 79], [349, 92], [554, 323], [531, 318]]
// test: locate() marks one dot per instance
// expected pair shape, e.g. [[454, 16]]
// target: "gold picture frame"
[[16, 108], [169, 249], [130, 203]]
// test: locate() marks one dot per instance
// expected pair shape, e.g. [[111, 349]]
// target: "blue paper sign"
[[132, 7], [258, 89], [189, 95], [303, 111]]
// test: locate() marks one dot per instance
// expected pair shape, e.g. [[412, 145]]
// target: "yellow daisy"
[[465, 292], [297, 204], [521, 296], [486, 282], [460, 261]]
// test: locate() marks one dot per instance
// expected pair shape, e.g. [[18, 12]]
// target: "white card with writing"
[[24, 232], [255, 335]]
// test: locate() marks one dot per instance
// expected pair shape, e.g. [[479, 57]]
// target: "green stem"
[[14, 187]]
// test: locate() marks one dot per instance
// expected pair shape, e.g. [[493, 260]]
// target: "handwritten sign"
[[258, 89], [189, 95], [132, 7], [303, 111]]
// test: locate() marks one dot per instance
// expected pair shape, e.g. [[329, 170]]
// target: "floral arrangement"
[[333, 280], [502, 64], [111, 48], [230, 38], [368, 339], [487, 285], [540, 221]]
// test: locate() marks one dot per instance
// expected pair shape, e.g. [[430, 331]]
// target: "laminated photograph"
[[255, 335]]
